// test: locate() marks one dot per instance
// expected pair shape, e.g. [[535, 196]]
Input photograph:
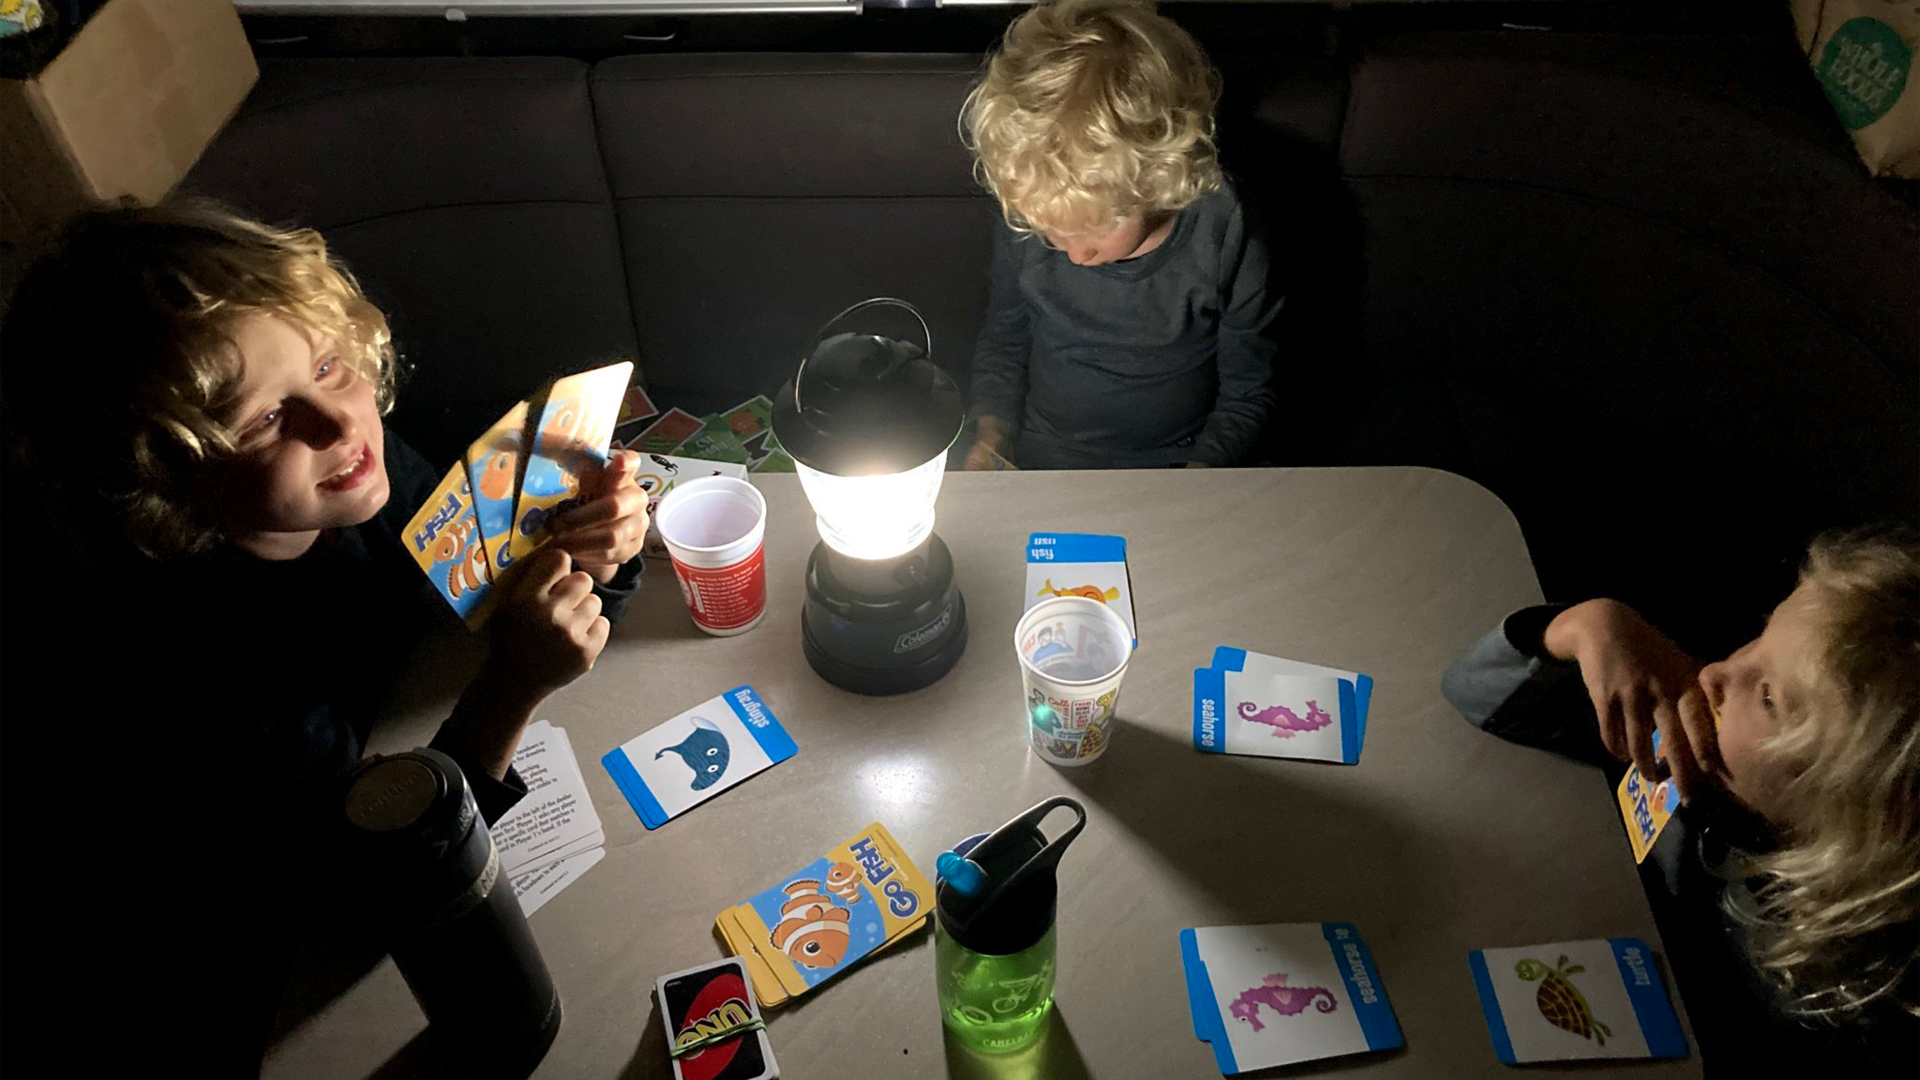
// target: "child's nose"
[[1713, 683], [327, 426]]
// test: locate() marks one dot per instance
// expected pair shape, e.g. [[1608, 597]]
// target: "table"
[[1442, 840]]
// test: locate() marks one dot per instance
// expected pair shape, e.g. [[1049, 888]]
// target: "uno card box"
[[1081, 564], [714, 1029], [1283, 993], [820, 920], [444, 539], [661, 473], [1576, 999]]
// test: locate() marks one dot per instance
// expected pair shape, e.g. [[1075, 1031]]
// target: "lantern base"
[[883, 626]]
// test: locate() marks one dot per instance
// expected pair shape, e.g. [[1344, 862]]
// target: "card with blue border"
[[698, 754], [1262, 996], [1577, 999], [1266, 706], [1081, 564]]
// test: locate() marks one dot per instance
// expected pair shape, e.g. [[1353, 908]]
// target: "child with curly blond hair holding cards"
[[196, 401]]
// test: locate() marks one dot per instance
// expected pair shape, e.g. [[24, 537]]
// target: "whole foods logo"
[[1864, 70]]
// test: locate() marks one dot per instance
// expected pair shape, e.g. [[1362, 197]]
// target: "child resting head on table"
[[1790, 899], [201, 397], [1130, 313]]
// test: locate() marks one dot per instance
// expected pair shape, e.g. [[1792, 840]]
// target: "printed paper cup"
[[1073, 653], [714, 529]]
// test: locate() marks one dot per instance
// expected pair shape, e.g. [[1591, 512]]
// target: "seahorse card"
[[1576, 999], [1311, 717], [572, 436], [444, 539], [677, 765], [1229, 658], [1281, 993], [818, 921]]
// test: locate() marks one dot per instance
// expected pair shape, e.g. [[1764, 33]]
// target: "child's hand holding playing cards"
[[605, 533]]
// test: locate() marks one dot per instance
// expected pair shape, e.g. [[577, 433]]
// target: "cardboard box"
[[124, 110]]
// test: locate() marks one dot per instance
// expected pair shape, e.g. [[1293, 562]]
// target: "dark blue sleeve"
[[1000, 352], [1249, 305], [1508, 685]]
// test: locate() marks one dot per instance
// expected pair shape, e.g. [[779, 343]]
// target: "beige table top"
[[1442, 840]]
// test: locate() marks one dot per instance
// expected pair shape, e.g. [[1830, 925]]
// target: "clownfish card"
[[689, 759], [494, 462], [572, 437], [1576, 999], [823, 918], [1271, 995], [444, 538], [714, 1028], [1081, 564]]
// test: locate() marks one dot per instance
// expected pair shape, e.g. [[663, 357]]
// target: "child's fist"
[[609, 529], [548, 630]]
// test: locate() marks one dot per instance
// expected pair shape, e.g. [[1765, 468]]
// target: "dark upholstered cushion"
[[468, 196], [759, 195]]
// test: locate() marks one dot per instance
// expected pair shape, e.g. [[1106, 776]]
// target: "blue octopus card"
[[1312, 717], [1576, 999], [1271, 995], [674, 767]]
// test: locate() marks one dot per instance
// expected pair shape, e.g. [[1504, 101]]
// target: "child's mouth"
[[353, 475]]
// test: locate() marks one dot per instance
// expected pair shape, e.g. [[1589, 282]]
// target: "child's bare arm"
[[1250, 304]]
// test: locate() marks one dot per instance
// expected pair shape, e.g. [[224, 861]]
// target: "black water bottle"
[[453, 925]]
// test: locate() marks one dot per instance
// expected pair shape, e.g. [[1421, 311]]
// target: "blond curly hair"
[[1836, 920], [1092, 111], [134, 308]]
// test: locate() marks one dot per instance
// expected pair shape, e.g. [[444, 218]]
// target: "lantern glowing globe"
[[868, 419]]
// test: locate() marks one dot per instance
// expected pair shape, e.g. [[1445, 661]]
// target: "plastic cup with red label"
[[715, 528], [1073, 653]]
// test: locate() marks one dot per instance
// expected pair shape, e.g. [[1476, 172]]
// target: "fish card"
[[714, 1028], [444, 538], [661, 473], [682, 763], [494, 462], [1312, 717], [1228, 658], [1576, 999], [665, 435], [823, 918], [573, 436], [1284, 992], [1081, 564]]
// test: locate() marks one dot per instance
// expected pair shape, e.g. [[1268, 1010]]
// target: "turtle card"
[[714, 1029], [820, 920], [1081, 564], [444, 539], [573, 436], [1576, 999], [1271, 995], [682, 763], [1312, 717]]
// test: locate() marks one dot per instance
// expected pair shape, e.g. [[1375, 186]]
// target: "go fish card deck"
[[858, 898]]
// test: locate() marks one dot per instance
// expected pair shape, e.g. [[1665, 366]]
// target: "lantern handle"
[[925, 333]]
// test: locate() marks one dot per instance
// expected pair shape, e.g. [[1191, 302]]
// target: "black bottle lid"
[[999, 897], [409, 818]]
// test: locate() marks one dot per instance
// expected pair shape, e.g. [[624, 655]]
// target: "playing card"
[[823, 918], [661, 473], [1646, 809], [665, 435], [1284, 992], [636, 409], [444, 539], [556, 818], [1312, 717], [1576, 999], [698, 754], [1081, 564], [1228, 658], [494, 463], [712, 1000], [572, 437]]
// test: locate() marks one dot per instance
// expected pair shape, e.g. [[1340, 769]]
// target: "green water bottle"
[[993, 931]]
